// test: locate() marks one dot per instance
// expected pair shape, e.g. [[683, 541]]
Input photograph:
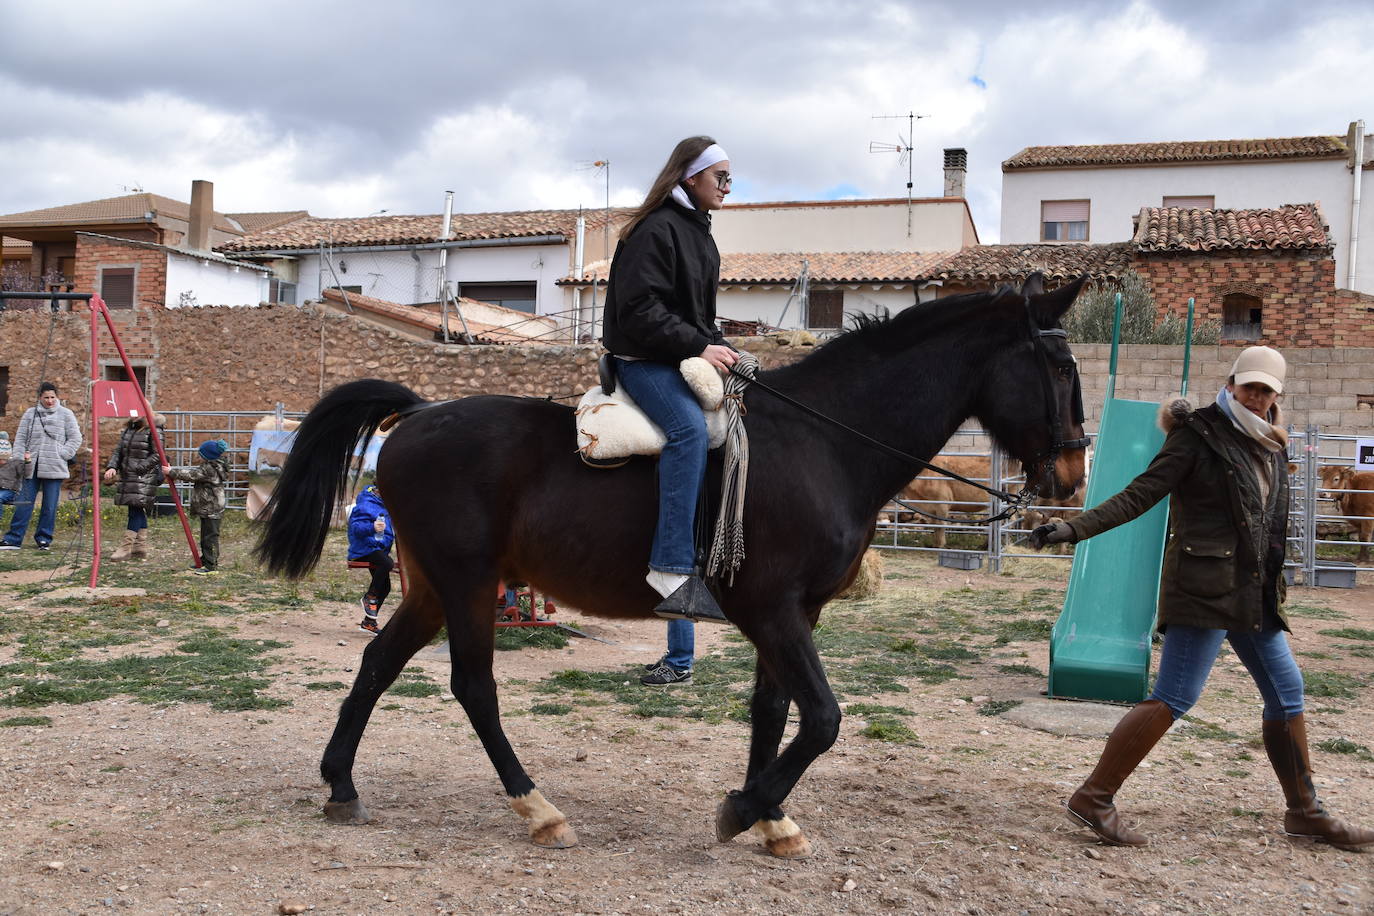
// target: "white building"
[[1091, 193]]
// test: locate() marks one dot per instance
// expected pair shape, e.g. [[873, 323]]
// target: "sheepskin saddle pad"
[[611, 428]]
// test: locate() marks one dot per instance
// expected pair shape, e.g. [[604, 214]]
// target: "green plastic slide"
[[1100, 646]]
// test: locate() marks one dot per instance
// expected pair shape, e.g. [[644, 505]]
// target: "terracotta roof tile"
[[522, 327], [1293, 226], [130, 208], [991, 263], [1040, 157], [256, 222], [737, 268], [421, 229]]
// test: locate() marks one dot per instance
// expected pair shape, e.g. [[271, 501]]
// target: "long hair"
[[681, 157]]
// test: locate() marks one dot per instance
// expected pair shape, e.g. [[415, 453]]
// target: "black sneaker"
[[41, 546], [371, 606], [665, 675], [653, 666], [9, 546], [369, 625]]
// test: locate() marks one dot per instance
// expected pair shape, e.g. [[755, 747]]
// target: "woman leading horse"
[[489, 488]]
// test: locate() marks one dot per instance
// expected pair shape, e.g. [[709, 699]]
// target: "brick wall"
[[1297, 291], [251, 358]]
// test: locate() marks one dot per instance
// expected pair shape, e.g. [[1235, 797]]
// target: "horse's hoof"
[[784, 838], [554, 836], [349, 813], [728, 823]]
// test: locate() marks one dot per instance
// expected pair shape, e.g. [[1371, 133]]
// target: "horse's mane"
[[885, 334]]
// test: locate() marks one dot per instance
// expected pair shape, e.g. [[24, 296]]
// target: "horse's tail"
[[315, 477]]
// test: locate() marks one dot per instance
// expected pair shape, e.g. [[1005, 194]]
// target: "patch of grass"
[[1023, 631], [1335, 684], [511, 638], [1314, 611], [1361, 651], [1236, 774], [326, 685], [870, 710], [210, 668], [997, 707], [1030, 670], [1345, 746], [891, 731], [551, 709], [24, 721], [413, 682], [1209, 730], [1246, 812], [1350, 633]]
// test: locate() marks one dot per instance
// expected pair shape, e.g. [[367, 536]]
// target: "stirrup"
[[691, 600]]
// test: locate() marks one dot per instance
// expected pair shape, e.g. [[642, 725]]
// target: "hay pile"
[[869, 581]]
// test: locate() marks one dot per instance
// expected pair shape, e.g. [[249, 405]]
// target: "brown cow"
[[1047, 510], [940, 495], [1357, 505]]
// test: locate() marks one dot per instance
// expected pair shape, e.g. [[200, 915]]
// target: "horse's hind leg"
[[768, 718], [413, 625], [471, 639]]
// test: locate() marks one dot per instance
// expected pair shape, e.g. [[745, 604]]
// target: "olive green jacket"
[[1223, 564]]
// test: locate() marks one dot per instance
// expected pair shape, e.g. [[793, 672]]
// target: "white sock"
[[665, 583]]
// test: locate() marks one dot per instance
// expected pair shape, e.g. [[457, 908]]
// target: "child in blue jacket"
[[370, 537]]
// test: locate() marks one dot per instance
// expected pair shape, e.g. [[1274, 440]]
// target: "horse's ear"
[[1049, 307], [1034, 285]]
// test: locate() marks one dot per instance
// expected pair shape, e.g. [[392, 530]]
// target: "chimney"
[[956, 167], [203, 214]]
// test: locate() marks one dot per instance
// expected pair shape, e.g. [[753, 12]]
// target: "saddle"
[[611, 428]]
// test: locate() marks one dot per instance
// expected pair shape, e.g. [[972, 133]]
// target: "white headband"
[[709, 157]]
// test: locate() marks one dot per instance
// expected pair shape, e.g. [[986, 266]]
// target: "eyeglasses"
[[723, 180]]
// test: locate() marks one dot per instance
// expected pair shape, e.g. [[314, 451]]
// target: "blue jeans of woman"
[[51, 490], [1189, 653], [662, 393], [138, 518], [682, 636]]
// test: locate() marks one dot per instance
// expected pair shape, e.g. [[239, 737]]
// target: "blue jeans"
[[662, 393], [1190, 651], [6, 497], [51, 489], [138, 518], [682, 636]]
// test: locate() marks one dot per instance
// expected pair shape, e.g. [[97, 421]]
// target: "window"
[[1191, 203], [1241, 316], [117, 287], [1064, 220], [518, 296], [114, 372], [283, 292], [825, 308]]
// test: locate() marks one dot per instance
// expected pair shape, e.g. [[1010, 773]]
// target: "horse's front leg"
[[471, 637], [768, 718], [787, 653], [413, 625]]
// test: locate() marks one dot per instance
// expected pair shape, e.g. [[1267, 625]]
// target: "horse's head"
[[1031, 400]]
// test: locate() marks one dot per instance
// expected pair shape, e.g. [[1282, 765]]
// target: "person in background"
[[11, 474], [675, 667], [370, 537], [48, 437], [136, 465], [207, 498], [1225, 470]]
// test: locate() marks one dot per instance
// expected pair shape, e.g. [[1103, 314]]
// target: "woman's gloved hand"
[[1056, 532]]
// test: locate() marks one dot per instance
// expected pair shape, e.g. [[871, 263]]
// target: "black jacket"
[[661, 298]]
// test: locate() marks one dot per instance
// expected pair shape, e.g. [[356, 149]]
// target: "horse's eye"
[[1065, 373]]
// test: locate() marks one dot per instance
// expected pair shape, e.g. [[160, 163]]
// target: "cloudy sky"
[[347, 108]]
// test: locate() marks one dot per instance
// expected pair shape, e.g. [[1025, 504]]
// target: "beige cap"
[[1260, 364]]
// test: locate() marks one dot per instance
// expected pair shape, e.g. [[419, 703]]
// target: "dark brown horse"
[[528, 509]]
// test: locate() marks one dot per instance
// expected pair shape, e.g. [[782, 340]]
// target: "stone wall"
[[248, 359]]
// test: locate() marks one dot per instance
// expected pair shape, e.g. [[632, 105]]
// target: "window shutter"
[[1064, 211], [117, 287]]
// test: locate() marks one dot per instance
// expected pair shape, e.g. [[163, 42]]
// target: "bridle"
[[1016, 503]]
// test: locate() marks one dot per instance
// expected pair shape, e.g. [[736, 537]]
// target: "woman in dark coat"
[[660, 310], [1225, 471], [136, 465]]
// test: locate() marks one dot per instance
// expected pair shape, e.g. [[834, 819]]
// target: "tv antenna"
[[602, 167], [135, 188], [903, 149]]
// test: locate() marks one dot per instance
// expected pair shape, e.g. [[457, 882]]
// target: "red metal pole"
[[95, 447], [97, 302]]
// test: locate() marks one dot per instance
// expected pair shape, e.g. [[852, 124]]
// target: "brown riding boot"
[[140, 546], [1286, 743], [1131, 740], [125, 547]]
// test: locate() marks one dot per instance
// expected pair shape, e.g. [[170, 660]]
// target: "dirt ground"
[[129, 807]]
